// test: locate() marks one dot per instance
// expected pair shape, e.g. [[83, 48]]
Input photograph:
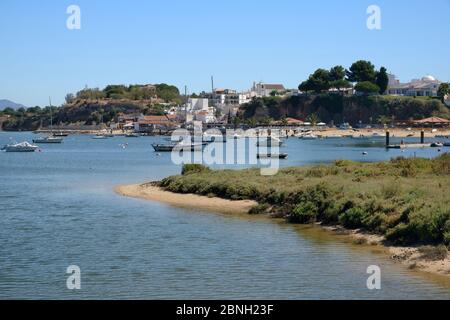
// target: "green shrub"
[[259, 209], [194, 168], [427, 226], [305, 212], [352, 218]]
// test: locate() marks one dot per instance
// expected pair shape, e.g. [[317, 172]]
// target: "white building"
[[197, 104], [426, 87], [205, 116]]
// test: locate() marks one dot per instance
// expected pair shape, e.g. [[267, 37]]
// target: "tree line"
[[367, 79], [162, 91]]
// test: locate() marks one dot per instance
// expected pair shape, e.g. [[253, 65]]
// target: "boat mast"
[[51, 115], [185, 107]]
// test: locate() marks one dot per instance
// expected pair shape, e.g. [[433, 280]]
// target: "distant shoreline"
[[321, 133]]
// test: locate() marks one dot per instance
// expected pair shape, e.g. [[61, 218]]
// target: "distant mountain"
[[9, 104]]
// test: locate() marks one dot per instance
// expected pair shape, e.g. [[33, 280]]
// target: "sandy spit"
[[154, 193]]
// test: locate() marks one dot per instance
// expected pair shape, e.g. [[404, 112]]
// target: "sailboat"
[[51, 138]]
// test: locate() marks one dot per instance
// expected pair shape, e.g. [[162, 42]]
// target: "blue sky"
[[185, 42]]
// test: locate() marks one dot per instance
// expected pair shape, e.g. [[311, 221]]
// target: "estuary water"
[[58, 208]]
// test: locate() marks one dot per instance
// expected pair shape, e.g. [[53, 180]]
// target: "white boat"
[[309, 137], [20, 147], [100, 137], [132, 135], [437, 145], [49, 139], [335, 136]]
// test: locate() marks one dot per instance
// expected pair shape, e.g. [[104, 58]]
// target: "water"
[[58, 208]]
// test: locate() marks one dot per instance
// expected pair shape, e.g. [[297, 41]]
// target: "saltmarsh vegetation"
[[406, 199]]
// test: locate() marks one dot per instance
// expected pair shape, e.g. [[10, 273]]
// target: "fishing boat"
[[272, 156], [20, 147]]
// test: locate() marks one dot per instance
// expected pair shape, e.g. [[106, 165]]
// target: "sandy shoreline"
[[151, 192], [411, 257]]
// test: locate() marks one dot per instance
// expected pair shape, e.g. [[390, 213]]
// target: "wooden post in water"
[[422, 137], [388, 138]]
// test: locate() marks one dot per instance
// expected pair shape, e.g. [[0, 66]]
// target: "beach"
[[148, 191]]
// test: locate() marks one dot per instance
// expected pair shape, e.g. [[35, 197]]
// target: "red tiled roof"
[[156, 120]]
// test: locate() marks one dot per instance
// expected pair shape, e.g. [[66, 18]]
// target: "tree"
[[320, 80], [382, 80], [313, 119], [361, 71], [367, 88], [444, 89], [236, 122], [252, 123], [337, 73], [70, 97], [340, 84], [305, 86]]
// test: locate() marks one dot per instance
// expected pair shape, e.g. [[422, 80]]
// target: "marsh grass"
[[405, 199]]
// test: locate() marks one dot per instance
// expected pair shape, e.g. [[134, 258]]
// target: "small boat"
[[309, 137], [49, 139], [99, 137], [20, 147], [178, 147], [437, 145], [61, 134], [447, 144], [163, 147], [132, 135], [272, 156]]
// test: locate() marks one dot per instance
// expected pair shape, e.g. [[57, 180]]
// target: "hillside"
[[92, 106], [338, 108], [10, 104]]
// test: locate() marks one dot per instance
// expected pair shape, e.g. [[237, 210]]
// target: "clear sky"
[[185, 42]]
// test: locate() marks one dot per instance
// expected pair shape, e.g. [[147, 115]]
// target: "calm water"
[[58, 209]]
